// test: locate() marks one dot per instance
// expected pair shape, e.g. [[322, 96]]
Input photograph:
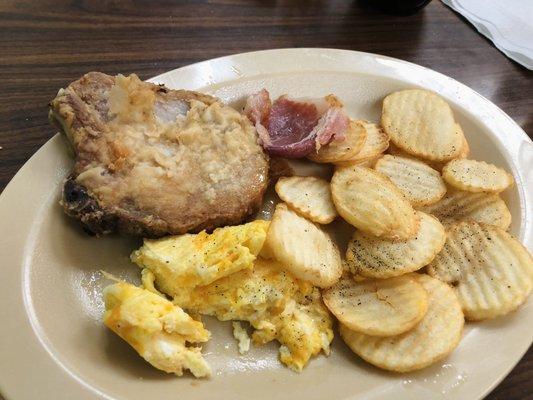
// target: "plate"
[[54, 345]]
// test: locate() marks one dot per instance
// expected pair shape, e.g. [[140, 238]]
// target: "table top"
[[47, 44]]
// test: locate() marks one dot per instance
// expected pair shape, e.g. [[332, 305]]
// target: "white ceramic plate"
[[53, 343]]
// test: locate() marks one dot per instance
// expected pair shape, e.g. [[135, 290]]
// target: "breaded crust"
[[150, 161]]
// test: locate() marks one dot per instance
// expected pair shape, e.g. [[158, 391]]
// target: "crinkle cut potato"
[[436, 165], [377, 141], [490, 270], [431, 340], [457, 206], [421, 123], [476, 176], [309, 196], [377, 307], [465, 149], [369, 201], [421, 184], [305, 250], [374, 257]]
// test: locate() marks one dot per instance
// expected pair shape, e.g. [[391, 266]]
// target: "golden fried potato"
[[375, 144], [434, 338], [465, 152], [309, 196], [394, 150], [366, 162], [491, 272], [380, 258], [303, 248], [343, 150], [476, 176], [377, 307], [369, 201], [419, 183], [458, 206], [465, 148], [421, 123]]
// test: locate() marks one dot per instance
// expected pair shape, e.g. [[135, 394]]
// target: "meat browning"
[[150, 161]]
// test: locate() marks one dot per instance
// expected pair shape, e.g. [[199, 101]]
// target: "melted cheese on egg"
[[190, 260], [277, 305]]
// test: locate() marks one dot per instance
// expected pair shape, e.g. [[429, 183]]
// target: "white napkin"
[[507, 23]]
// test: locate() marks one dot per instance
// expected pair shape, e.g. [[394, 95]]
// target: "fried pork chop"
[[150, 161]]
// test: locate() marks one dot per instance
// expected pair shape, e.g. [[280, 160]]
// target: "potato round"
[[420, 183], [434, 338], [303, 248], [490, 270], [464, 153], [394, 150], [365, 162], [465, 148], [309, 196], [421, 123], [380, 258], [436, 165], [342, 150], [375, 144], [369, 201], [476, 176], [377, 307], [457, 206]]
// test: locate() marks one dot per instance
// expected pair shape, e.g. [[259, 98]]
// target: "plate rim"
[[6, 387]]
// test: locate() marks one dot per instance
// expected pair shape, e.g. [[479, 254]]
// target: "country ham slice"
[[331, 126], [294, 128], [257, 109]]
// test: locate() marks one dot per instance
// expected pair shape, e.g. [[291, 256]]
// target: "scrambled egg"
[[158, 330], [220, 274], [277, 305], [241, 335], [187, 261]]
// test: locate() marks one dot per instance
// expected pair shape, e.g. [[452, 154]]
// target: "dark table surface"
[[46, 44]]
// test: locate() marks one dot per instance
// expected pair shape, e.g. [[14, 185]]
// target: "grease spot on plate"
[[443, 382]]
